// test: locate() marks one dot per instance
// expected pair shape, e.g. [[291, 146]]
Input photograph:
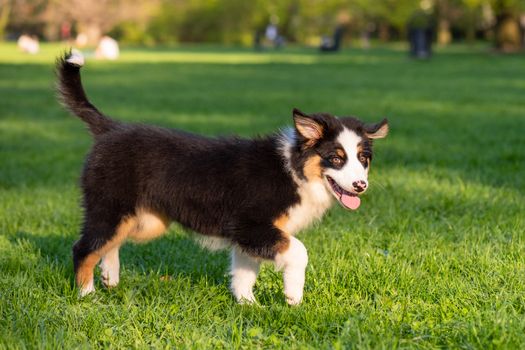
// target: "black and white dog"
[[252, 195]]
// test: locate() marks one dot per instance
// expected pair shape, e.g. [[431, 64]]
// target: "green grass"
[[434, 257]]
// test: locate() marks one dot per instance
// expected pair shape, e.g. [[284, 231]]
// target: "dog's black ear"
[[309, 127], [378, 130]]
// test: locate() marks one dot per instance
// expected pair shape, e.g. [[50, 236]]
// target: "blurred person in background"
[[107, 49], [28, 44]]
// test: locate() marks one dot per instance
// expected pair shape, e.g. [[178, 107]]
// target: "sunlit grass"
[[188, 55], [435, 256]]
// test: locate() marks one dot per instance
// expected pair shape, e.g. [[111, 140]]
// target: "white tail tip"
[[76, 58]]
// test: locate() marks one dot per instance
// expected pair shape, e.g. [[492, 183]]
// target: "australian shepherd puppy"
[[252, 195]]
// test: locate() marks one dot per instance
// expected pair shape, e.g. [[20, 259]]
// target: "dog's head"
[[336, 151]]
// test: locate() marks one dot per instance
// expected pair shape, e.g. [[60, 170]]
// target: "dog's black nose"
[[359, 186]]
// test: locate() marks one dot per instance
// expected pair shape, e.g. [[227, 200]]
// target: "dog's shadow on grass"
[[176, 254], [173, 255]]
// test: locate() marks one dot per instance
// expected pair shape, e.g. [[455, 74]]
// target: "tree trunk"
[[383, 32], [508, 33], [443, 36], [470, 32], [5, 10]]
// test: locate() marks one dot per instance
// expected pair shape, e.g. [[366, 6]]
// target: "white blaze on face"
[[352, 170]]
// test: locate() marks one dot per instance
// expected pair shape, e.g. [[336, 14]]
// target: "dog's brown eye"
[[362, 158], [336, 161]]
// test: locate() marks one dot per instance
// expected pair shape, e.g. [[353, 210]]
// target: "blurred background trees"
[[236, 21]]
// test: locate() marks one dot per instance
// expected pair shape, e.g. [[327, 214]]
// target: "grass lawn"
[[433, 258]]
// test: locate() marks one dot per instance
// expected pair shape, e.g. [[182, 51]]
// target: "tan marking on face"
[[359, 147], [340, 152], [281, 222], [359, 150], [312, 168]]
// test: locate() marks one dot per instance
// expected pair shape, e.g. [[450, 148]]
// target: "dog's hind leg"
[[99, 240], [143, 227], [110, 268], [86, 256], [102, 241], [84, 260]]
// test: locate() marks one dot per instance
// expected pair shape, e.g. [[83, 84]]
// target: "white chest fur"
[[315, 200]]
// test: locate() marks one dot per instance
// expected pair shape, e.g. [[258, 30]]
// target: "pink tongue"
[[351, 202]]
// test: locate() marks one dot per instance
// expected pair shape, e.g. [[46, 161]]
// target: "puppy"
[[252, 195]]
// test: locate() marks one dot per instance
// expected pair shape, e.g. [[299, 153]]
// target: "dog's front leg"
[[244, 270], [293, 262]]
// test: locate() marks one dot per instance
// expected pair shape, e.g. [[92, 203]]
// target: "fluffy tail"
[[72, 95]]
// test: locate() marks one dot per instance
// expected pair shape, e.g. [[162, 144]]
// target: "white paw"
[[110, 269], [108, 280], [90, 288], [246, 299], [294, 300]]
